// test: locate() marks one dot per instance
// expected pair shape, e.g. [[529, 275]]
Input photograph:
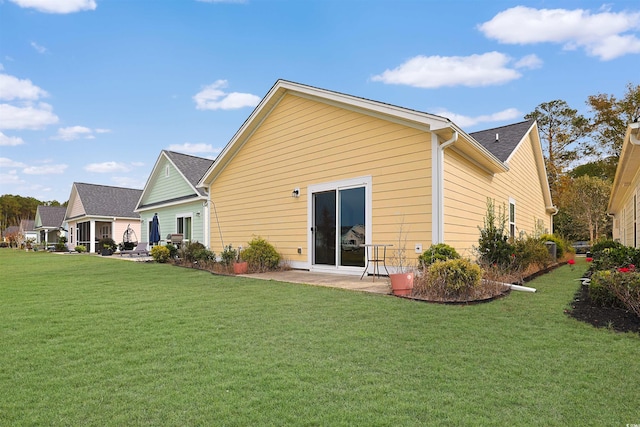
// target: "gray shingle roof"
[[509, 138], [192, 167], [27, 225], [51, 216], [103, 200]]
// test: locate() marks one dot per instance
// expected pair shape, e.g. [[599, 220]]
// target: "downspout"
[[438, 188]]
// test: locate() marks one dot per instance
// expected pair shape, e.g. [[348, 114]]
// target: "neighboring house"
[[309, 164], [27, 231], [171, 192], [98, 211], [49, 223], [624, 203]]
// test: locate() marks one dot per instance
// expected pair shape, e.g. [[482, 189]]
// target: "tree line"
[[13, 209], [581, 192]]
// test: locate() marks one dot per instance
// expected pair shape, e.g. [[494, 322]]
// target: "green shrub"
[[173, 250], [437, 252], [80, 249], [528, 252], [605, 244], [61, 245], [160, 254], [561, 245], [229, 255], [455, 276], [614, 256], [196, 251], [493, 246], [261, 255], [107, 243], [626, 288], [599, 289]]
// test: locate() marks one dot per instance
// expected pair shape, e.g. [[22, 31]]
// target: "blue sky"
[[92, 90]]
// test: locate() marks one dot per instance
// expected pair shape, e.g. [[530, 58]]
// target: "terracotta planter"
[[401, 283], [240, 267]]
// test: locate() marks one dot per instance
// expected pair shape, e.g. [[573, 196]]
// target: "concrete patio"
[[367, 284]]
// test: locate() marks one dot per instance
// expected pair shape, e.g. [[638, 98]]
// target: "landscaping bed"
[[618, 319]]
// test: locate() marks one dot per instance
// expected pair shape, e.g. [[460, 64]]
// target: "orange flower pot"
[[240, 267], [401, 283]]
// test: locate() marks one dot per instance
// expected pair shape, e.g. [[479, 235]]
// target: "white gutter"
[[437, 199]]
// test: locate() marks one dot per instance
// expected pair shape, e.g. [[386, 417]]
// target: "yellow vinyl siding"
[[466, 188], [304, 142]]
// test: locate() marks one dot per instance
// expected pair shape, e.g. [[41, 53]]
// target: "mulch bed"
[[617, 319]]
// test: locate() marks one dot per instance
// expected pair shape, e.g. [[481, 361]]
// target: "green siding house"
[[171, 193]]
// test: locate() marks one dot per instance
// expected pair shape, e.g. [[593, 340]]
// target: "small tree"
[[493, 246]]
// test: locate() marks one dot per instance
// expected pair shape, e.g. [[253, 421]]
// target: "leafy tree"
[[562, 131], [611, 117], [585, 202], [604, 168]]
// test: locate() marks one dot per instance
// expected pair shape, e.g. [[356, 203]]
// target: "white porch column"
[[92, 236]]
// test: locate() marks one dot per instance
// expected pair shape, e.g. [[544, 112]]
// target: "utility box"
[[553, 250]]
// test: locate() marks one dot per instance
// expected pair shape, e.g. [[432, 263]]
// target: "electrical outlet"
[[300, 250], [419, 248]]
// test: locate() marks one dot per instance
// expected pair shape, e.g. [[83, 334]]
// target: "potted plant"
[[107, 246], [403, 270], [240, 266]]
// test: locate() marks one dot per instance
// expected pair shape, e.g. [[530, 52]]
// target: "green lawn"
[[89, 340]]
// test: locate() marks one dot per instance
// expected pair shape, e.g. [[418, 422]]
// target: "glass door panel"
[[324, 228], [352, 227]]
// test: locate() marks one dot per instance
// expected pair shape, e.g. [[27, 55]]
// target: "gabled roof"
[[104, 200], [27, 225], [628, 167], [441, 126], [508, 138], [50, 216], [191, 168]]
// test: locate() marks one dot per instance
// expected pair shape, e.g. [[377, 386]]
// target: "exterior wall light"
[[295, 193]]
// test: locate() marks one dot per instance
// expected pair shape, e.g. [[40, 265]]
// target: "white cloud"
[[436, 71], [107, 167], [38, 48], [45, 170], [27, 117], [10, 178], [529, 61], [212, 97], [74, 132], [466, 121], [8, 163], [193, 148], [102, 130], [57, 6], [599, 34], [14, 88], [10, 141]]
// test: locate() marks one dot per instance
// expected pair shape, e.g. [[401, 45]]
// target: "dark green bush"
[[437, 252], [173, 250], [61, 245], [605, 244], [229, 255], [196, 251], [261, 255], [494, 248], [614, 256], [107, 243]]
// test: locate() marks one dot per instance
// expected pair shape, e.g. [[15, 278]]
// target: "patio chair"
[[140, 249]]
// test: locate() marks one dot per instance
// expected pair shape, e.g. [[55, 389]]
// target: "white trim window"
[[512, 218], [184, 226]]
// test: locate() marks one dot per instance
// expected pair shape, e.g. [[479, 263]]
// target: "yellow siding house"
[[624, 203], [318, 173]]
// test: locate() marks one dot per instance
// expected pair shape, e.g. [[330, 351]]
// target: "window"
[[512, 218], [166, 171], [183, 226]]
